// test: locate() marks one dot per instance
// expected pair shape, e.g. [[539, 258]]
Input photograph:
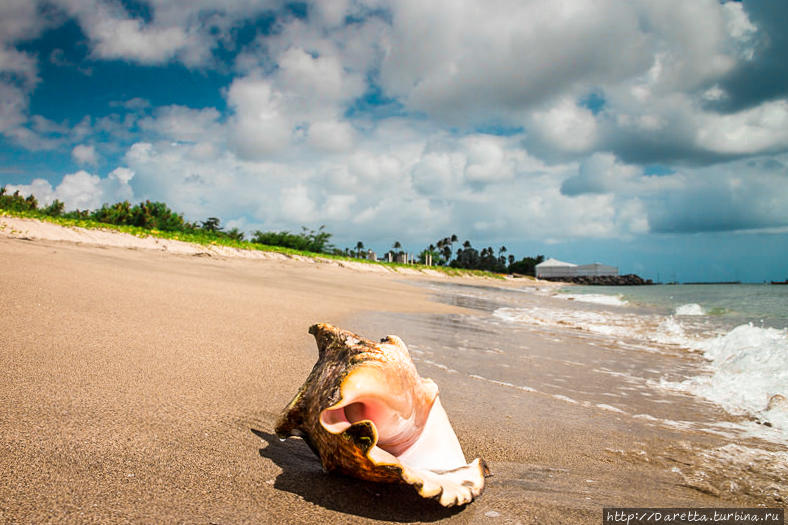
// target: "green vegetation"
[[17, 203], [525, 266], [157, 219], [307, 241]]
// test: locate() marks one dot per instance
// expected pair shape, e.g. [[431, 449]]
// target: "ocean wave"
[[748, 365], [607, 300], [690, 309], [749, 374], [647, 330], [601, 323]]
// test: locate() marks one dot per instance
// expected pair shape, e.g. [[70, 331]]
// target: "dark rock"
[[604, 280]]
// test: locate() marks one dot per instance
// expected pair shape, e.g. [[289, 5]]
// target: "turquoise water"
[[731, 304], [643, 354], [741, 330]]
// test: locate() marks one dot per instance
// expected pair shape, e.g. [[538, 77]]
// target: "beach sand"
[[140, 385]]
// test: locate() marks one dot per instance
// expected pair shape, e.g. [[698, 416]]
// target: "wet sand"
[[143, 386]]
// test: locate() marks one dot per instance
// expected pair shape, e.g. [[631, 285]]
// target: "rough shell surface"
[[365, 412]]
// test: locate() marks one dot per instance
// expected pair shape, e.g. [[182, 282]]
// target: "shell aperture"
[[365, 412]]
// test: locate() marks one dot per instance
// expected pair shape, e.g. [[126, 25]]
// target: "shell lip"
[[386, 422], [425, 465]]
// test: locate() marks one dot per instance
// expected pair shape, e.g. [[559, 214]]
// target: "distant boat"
[[780, 282]]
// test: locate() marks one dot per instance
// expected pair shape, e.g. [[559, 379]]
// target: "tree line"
[[151, 215]]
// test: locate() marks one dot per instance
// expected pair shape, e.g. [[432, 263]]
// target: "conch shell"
[[366, 413]]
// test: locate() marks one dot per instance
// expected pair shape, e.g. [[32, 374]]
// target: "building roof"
[[552, 263]]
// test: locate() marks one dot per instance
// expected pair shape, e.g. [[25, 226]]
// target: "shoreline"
[[144, 386]]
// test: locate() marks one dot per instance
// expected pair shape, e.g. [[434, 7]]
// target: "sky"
[[647, 134]]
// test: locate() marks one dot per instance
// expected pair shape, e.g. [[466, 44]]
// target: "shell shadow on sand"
[[303, 475]]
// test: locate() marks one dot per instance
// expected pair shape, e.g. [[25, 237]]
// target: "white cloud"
[[740, 28], [374, 126], [201, 181], [81, 190], [19, 19], [600, 173], [331, 136], [84, 154], [401, 190], [131, 39], [13, 106], [486, 160], [40, 188], [315, 82], [306, 95], [566, 127], [122, 175], [297, 205], [736, 196], [755, 130], [18, 70], [187, 32], [20, 65], [436, 171], [632, 217], [443, 61], [330, 12], [184, 124], [339, 207], [260, 127]]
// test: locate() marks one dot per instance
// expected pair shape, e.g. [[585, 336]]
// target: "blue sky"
[[652, 135]]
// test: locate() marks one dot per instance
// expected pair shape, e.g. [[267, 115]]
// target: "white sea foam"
[[609, 408], [502, 383], [561, 397], [626, 329], [749, 367], [607, 300], [597, 322], [670, 331], [646, 332], [690, 309]]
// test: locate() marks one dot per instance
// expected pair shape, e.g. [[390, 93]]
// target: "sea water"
[[740, 330], [727, 344], [669, 360], [732, 304]]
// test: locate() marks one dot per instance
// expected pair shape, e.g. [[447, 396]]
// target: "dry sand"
[[142, 386]]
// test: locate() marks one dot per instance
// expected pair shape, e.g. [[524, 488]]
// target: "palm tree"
[[211, 224], [446, 253], [501, 256], [397, 245], [236, 234], [359, 247]]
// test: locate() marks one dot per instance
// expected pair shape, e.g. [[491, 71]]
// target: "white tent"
[[560, 269], [555, 268], [596, 269]]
